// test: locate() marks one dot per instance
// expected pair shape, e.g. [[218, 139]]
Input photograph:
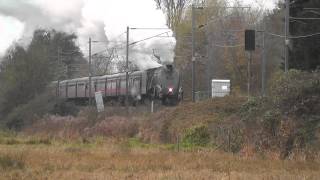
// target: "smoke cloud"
[[104, 21]]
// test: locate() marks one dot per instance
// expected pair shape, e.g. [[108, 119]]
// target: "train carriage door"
[[137, 85], [123, 85], [105, 87], [95, 85], [140, 84], [67, 89], [112, 88], [58, 89], [118, 87], [61, 89], [76, 89], [108, 87], [131, 85], [86, 90]]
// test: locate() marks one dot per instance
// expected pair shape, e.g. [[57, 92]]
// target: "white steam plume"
[[100, 20]]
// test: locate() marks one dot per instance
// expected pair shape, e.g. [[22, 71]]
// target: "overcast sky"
[[99, 19], [268, 4]]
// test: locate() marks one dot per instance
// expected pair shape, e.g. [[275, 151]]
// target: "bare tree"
[[102, 63], [173, 9], [121, 66]]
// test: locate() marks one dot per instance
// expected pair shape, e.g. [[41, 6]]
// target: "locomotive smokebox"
[[169, 67]]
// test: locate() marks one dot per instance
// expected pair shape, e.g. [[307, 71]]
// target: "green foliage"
[[251, 109], [131, 143], [164, 132], [27, 113], [304, 54], [236, 140], [271, 121], [136, 143], [37, 141], [289, 118], [15, 73], [41, 105], [15, 140], [65, 108], [15, 161], [26, 72], [296, 92], [196, 136], [250, 106], [9, 141], [228, 135]]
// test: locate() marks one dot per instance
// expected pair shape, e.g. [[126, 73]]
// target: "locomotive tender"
[[162, 83]]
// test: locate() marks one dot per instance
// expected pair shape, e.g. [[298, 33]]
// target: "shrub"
[[228, 135], [289, 117], [115, 127], [26, 114], [64, 108], [37, 141], [286, 119], [296, 92], [250, 109], [271, 121], [14, 161], [164, 133], [196, 136], [35, 109]]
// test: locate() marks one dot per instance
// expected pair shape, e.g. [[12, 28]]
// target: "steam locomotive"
[[162, 83]]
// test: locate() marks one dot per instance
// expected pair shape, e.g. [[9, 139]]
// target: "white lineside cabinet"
[[99, 101], [220, 88]]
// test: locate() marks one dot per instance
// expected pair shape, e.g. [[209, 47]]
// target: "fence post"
[[152, 106]]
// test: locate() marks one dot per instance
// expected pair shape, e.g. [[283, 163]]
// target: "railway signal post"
[[287, 32], [127, 71], [193, 54], [250, 46], [90, 101]]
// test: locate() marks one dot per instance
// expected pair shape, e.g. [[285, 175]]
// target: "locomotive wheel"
[[164, 101], [133, 102], [173, 101], [121, 101]]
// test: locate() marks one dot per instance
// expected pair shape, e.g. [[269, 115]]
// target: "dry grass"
[[177, 119], [68, 148], [120, 159], [167, 121]]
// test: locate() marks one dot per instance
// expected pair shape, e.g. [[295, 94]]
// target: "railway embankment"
[[286, 122]]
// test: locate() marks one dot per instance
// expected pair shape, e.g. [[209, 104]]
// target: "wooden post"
[[152, 106]]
